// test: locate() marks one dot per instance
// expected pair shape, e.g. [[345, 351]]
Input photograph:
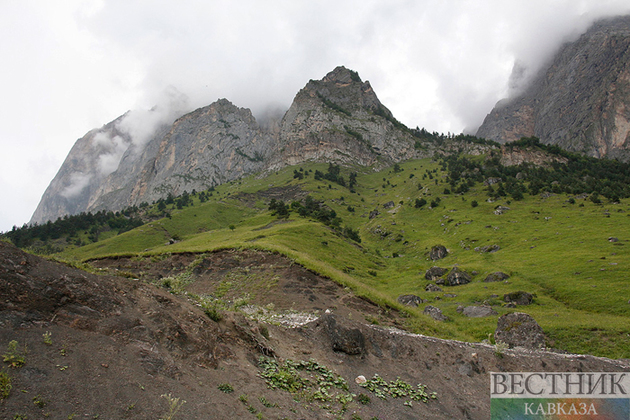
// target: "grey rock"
[[500, 210], [389, 205], [373, 214], [347, 340], [457, 277], [435, 313], [519, 298], [438, 252], [478, 311], [496, 276], [491, 181], [488, 248], [433, 288], [613, 239], [435, 273], [410, 300], [519, 330]]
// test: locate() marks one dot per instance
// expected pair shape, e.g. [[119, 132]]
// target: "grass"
[[558, 251]]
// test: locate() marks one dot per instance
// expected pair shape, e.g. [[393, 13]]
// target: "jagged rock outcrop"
[[340, 119], [580, 102], [337, 119]]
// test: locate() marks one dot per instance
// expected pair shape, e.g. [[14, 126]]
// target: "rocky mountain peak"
[[338, 119], [342, 75], [580, 102]]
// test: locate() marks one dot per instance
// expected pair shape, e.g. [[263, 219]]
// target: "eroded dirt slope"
[[118, 344]]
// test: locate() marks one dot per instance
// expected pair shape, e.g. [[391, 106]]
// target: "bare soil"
[[120, 343]]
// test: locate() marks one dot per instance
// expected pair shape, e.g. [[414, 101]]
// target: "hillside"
[[579, 101], [106, 347], [550, 241]]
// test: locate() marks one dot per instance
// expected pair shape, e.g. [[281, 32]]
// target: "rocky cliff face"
[[581, 102], [337, 119]]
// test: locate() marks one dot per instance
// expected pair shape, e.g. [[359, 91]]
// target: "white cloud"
[[113, 150], [78, 182]]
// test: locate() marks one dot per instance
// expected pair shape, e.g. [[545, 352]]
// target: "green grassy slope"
[[558, 251]]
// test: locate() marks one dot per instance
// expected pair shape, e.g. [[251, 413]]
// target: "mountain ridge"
[[337, 119], [580, 101]]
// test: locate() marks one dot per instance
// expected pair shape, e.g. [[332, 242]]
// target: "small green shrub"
[[213, 314], [5, 385], [14, 357], [227, 388], [174, 404], [364, 399]]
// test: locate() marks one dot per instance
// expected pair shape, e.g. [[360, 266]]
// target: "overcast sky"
[[70, 66]]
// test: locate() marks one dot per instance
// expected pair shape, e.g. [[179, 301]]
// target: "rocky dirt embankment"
[[108, 347]]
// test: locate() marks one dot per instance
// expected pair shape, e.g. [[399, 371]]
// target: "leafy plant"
[[174, 404], [227, 388], [5, 385], [500, 347], [397, 389], [47, 338], [14, 357], [39, 401]]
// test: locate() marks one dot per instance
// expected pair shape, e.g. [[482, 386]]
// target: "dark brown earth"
[[120, 343]]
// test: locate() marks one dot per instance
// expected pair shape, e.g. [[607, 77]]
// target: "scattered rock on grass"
[[520, 298], [496, 276], [438, 252], [435, 313], [410, 300], [488, 248], [435, 273], [433, 288], [500, 210], [519, 330], [478, 311], [457, 277]]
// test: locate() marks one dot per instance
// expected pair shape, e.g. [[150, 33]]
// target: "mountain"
[[337, 119], [580, 102]]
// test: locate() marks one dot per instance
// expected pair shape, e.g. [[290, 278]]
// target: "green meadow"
[[556, 250]]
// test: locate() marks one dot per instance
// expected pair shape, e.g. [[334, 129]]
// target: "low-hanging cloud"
[[441, 65], [112, 150], [141, 125], [78, 182]]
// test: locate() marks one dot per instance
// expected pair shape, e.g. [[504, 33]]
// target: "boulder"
[[519, 330], [457, 277], [491, 181], [478, 311], [433, 288], [613, 239], [410, 300], [435, 273], [347, 340], [500, 210], [438, 252], [389, 205], [519, 298], [496, 276], [435, 313], [373, 214], [488, 248]]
